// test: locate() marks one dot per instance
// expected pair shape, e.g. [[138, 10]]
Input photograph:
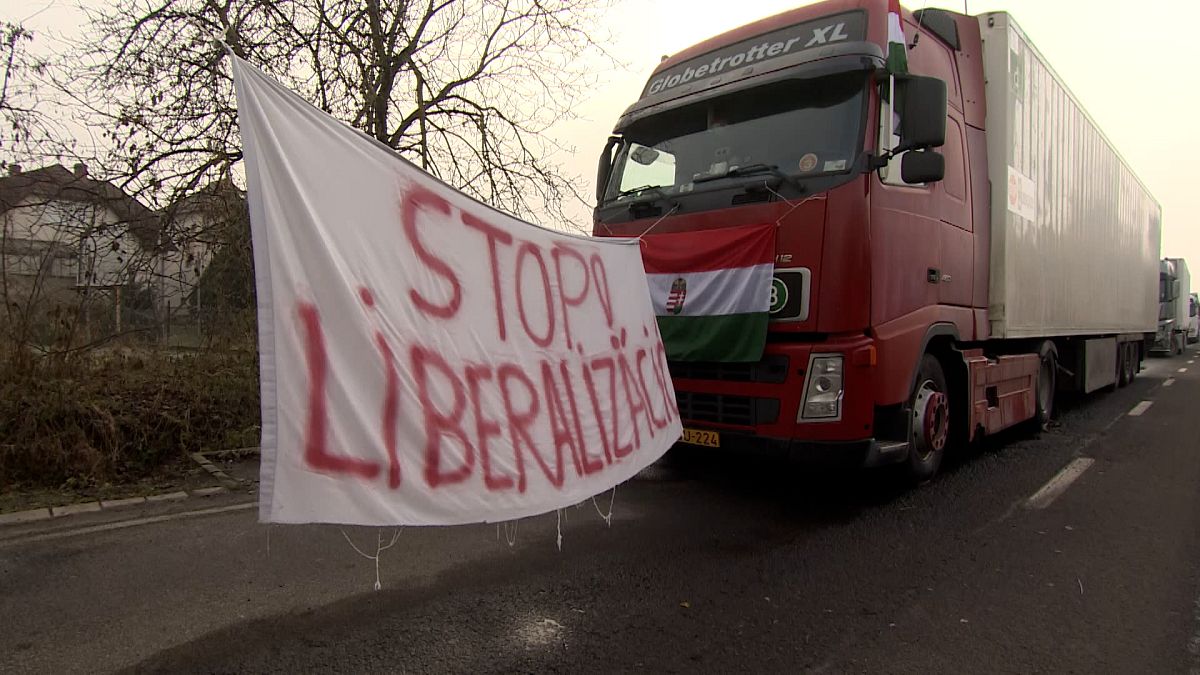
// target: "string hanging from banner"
[[785, 200], [611, 500], [380, 547], [655, 223], [511, 538], [559, 540], [216, 38]]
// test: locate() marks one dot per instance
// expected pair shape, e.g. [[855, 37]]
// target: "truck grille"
[[771, 370], [724, 409]]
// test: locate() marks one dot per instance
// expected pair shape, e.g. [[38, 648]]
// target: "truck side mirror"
[[922, 166], [604, 170], [1175, 288], [923, 112]]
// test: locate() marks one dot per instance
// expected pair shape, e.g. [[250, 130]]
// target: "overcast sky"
[[1132, 65]]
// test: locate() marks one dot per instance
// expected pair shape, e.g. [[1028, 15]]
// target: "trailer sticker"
[[1022, 194], [808, 162]]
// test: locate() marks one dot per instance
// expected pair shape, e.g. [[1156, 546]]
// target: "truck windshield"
[[797, 128]]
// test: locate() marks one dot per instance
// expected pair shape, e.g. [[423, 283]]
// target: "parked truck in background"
[[1176, 310], [946, 270], [1193, 335]]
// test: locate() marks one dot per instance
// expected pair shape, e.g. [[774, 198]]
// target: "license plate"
[[709, 439]]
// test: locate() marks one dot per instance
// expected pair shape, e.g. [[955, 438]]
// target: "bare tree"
[[23, 123], [464, 88]]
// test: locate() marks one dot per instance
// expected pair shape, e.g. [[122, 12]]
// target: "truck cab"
[[1193, 333], [874, 258], [1176, 307]]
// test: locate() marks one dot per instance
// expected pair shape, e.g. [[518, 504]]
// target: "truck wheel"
[[1047, 382], [929, 421], [1122, 365]]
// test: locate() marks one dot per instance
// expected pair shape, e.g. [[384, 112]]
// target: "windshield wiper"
[[748, 170], [645, 188], [635, 205]]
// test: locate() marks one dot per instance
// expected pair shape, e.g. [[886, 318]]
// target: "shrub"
[[121, 416]]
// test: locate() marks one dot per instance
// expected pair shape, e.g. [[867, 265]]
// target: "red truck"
[[946, 259]]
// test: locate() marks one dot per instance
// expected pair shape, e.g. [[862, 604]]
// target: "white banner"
[[425, 359]]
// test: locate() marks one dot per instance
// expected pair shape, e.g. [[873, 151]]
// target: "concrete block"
[[167, 497], [118, 503], [72, 509], [24, 516], [208, 492]]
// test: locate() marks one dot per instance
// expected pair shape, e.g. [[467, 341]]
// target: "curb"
[[55, 512], [227, 483], [225, 479]]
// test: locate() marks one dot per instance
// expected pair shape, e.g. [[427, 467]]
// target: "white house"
[[192, 230], [67, 238]]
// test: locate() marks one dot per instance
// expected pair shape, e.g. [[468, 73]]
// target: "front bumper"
[[867, 453], [1163, 344], [763, 399]]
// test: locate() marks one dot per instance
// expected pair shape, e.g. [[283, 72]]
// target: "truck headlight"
[[823, 391]]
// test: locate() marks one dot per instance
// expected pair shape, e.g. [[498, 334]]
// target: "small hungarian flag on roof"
[[711, 291], [897, 52]]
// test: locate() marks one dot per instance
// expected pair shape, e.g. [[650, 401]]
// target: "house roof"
[[218, 197], [59, 183], [219, 201]]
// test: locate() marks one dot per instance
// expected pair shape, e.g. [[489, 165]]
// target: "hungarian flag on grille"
[[711, 291]]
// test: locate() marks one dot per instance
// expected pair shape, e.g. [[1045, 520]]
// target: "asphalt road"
[[732, 564]]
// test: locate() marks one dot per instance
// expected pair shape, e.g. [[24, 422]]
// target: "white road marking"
[[1191, 361], [1182, 370], [1059, 484], [1168, 382], [120, 525], [1140, 408]]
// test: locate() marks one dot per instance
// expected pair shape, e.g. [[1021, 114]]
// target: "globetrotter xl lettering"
[[763, 48]]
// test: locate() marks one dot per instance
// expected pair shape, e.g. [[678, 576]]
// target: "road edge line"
[[123, 524], [1057, 485]]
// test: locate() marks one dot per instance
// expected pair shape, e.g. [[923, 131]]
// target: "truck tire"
[[1047, 383], [1126, 363], [929, 427]]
